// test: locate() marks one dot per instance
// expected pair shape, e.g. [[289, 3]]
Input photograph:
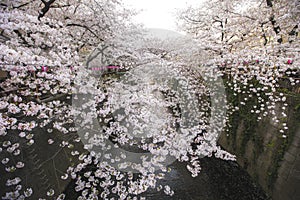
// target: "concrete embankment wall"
[[272, 160]]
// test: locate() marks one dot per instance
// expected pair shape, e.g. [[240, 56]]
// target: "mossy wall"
[[258, 145]]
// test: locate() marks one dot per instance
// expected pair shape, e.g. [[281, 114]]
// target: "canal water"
[[218, 180]]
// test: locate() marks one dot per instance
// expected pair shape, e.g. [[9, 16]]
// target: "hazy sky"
[[158, 13]]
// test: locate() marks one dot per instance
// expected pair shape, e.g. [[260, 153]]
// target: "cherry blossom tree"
[[249, 40], [122, 128], [36, 31], [39, 41], [234, 27], [52, 35]]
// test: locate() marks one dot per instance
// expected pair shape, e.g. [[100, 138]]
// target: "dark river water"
[[218, 180]]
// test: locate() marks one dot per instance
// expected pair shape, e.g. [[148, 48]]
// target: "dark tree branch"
[[264, 34], [294, 31], [244, 16], [80, 47], [276, 28], [87, 28], [47, 5], [3, 4], [269, 3], [273, 22], [22, 5], [189, 19], [21, 37], [3, 37]]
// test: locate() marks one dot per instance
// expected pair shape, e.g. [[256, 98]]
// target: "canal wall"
[[288, 181], [271, 160]]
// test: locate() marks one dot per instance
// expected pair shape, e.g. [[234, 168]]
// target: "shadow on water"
[[218, 180]]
